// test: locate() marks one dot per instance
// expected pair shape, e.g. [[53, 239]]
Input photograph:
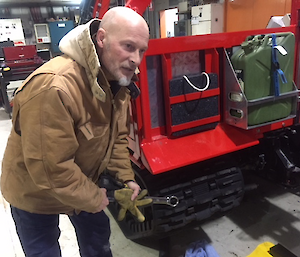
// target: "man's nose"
[[135, 57]]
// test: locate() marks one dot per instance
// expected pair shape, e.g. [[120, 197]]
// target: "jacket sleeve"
[[49, 145], [119, 165]]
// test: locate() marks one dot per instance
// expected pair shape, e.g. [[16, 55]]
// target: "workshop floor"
[[269, 213]]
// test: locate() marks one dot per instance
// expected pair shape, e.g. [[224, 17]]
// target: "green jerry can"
[[253, 67]]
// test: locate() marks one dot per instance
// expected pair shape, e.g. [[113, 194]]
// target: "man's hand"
[[123, 197], [104, 202], [135, 187]]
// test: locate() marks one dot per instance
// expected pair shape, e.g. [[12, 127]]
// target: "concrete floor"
[[269, 213]]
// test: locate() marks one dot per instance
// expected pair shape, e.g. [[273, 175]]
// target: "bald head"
[[122, 40], [120, 16]]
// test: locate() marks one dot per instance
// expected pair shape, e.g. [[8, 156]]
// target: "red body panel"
[[166, 154]]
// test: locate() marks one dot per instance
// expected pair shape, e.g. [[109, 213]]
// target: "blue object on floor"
[[201, 248]]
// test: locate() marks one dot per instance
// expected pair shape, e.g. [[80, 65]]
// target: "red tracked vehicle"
[[195, 144]]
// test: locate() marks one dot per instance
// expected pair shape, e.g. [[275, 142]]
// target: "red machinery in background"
[[182, 143], [97, 8], [18, 62]]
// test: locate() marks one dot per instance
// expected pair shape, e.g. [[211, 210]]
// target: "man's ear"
[[100, 36]]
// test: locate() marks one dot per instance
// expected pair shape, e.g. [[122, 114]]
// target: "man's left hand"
[[123, 197], [135, 187]]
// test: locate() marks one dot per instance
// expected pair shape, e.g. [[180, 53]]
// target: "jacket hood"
[[78, 45]]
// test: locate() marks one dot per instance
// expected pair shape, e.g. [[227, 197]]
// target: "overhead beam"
[[31, 4]]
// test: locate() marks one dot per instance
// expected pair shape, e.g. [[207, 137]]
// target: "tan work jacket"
[[67, 128]]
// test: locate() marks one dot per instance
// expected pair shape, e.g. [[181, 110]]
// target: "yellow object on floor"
[[262, 250]]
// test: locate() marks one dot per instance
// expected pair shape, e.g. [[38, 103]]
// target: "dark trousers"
[[39, 233]]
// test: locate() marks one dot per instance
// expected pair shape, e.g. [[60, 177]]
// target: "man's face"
[[122, 51]]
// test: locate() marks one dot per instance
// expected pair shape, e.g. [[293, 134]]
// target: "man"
[[70, 123]]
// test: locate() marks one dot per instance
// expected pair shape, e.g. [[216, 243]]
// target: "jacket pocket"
[[93, 140], [123, 119], [91, 130], [122, 124]]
